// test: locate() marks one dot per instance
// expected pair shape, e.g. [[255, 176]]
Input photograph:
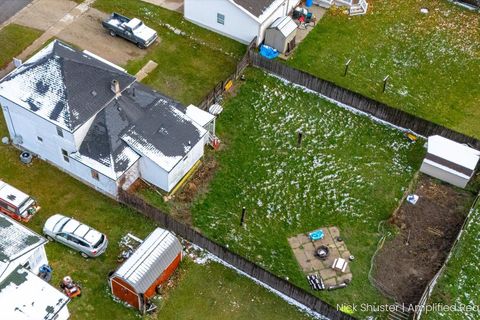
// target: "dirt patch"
[[88, 33], [405, 265], [44, 13]]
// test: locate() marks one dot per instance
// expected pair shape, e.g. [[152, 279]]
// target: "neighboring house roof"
[[255, 7], [285, 25], [63, 85], [16, 240], [452, 156], [150, 260], [24, 296]]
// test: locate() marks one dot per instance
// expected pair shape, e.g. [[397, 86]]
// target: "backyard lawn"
[[189, 65], [14, 39], [433, 59], [349, 172], [458, 286], [209, 289]]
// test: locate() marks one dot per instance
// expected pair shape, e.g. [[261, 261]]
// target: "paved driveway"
[[9, 7]]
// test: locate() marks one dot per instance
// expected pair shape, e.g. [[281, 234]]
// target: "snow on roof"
[[285, 25], [201, 117], [12, 195], [62, 85], [453, 151], [150, 260], [164, 136], [24, 296], [16, 240]]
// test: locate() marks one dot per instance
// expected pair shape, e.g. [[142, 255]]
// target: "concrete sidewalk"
[[51, 32]]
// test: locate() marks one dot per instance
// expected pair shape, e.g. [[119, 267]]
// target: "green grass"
[[190, 65], [210, 289], [433, 60], [14, 39], [225, 296], [458, 286], [349, 172]]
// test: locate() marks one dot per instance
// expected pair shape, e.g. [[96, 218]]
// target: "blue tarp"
[[268, 52]]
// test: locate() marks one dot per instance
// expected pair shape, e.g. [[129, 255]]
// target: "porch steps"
[[359, 9], [324, 3]]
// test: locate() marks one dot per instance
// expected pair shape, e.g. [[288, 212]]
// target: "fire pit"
[[322, 252]]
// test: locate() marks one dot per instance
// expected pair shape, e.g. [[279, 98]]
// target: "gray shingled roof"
[[63, 85], [15, 239], [255, 7], [141, 115]]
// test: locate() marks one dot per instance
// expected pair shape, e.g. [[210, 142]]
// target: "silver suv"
[[78, 236]]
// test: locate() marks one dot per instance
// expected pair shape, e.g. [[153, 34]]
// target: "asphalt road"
[[9, 7]]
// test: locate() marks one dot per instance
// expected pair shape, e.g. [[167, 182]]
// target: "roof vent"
[[11, 197], [94, 93], [115, 86]]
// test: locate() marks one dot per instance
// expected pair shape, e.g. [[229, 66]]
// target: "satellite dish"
[[5, 140]]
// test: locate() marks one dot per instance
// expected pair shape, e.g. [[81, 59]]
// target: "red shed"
[[149, 266]]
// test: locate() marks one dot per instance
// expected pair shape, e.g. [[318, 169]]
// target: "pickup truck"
[[131, 29]]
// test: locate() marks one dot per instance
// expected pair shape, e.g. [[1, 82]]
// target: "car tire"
[[112, 33], [158, 289], [141, 46], [83, 254]]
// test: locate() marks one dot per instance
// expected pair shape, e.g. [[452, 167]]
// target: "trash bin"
[[309, 3]]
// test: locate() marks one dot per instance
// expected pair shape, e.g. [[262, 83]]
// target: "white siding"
[[281, 11], [82, 131], [443, 175], [153, 174], [38, 257], [179, 171], [30, 126], [84, 173], [238, 24]]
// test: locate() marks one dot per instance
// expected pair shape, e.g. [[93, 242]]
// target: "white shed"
[[242, 20], [281, 35], [450, 161]]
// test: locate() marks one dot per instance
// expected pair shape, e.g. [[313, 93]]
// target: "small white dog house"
[[450, 161]]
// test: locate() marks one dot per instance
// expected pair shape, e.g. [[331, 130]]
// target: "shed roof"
[[16, 240], [24, 296], [201, 117], [456, 155], [285, 25], [62, 85], [150, 260]]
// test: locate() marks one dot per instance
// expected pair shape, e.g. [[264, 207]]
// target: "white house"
[[23, 295], [450, 161], [95, 121], [242, 20]]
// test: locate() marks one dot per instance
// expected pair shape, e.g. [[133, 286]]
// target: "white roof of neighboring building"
[[12, 195], [453, 151], [285, 25], [201, 117], [150, 260], [24, 296], [16, 240]]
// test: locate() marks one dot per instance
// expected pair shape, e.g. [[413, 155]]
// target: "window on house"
[[60, 131], [220, 18], [65, 155], [40, 139], [95, 175]]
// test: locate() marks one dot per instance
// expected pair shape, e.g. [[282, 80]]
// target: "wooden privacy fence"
[[214, 95], [223, 253], [372, 107], [431, 285]]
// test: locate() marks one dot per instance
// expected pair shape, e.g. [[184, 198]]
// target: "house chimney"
[[116, 88]]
